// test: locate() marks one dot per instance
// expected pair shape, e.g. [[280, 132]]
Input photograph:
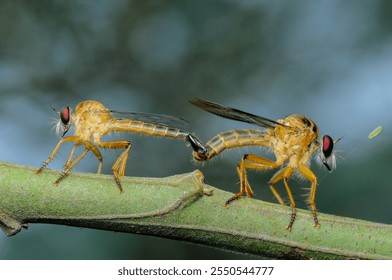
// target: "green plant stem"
[[182, 207]]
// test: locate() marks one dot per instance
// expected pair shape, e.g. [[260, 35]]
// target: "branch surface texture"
[[182, 207]]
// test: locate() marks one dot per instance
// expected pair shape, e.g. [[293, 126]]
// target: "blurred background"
[[328, 60]]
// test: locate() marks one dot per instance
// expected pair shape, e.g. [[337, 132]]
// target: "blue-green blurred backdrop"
[[329, 60]]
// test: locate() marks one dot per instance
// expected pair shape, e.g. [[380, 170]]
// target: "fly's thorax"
[[92, 113], [295, 137], [89, 105], [300, 127], [90, 118]]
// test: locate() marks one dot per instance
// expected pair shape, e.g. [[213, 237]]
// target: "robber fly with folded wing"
[[92, 120], [293, 140]]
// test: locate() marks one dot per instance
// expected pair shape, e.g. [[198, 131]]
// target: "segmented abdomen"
[[232, 139], [147, 128]]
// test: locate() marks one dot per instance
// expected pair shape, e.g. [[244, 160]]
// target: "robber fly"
[[92, 120], [293, 140]]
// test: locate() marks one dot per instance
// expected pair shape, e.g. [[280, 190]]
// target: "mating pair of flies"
[[293, 140]]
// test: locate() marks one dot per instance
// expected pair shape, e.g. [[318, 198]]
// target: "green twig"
[[182, 207]]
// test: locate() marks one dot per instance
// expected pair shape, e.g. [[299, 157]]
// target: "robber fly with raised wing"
[[293, 140], [92, 120]]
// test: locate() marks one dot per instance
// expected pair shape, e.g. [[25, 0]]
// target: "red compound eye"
[[327, 145], [64, 115]]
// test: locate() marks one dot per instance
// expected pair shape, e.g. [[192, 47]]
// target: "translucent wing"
[[233, 114], [164, 120]]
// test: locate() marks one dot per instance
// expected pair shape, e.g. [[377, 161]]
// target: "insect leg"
[[267, 164], [121, 162], [308, 174], [74, 139], [252, 162], [276, 178], [244, 184], [70, 163], [97, 153], [285, 175], [69, 160], [70, 166]]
